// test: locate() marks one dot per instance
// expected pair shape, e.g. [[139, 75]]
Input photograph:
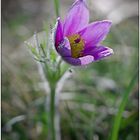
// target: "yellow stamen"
[[77, 45]]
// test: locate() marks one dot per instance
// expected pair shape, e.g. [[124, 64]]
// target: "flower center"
[[77, 45]]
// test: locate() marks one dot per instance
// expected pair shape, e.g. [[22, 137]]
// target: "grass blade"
[[56, 5], [118, 117]]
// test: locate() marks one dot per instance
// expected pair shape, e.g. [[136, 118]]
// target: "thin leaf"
[[118, 117]]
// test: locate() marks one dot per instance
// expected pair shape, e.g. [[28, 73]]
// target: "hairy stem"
[[54, 117], [52, 113]]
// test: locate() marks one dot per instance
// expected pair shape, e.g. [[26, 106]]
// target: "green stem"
[[118, 117], [56, 5], [52, 113]]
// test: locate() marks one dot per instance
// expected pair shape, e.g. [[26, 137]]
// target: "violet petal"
[[77, 18], [98, 52], [81, 61], [64, 48], [95, 32], [59, 33]]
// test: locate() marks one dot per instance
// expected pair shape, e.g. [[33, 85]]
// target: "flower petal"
[[95, 32], [81, 61], [59, 33], [64, 48], [77, 18], [98, 52]]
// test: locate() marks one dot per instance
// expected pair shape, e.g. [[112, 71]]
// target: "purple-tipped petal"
[[81, 61], [98, 52], [64, 48], [77, 18], [95, 32], [59, 33]]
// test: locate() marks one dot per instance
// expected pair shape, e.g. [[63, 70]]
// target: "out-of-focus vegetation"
[[90, 99]]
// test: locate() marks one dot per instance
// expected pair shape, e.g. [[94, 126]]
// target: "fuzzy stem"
[[52, 113]]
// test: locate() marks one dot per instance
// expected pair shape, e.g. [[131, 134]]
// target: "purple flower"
[[77, 41]]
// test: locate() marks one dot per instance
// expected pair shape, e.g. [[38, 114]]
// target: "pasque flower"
[[77, 41]]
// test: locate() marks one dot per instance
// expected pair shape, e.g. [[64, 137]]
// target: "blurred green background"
[[91, 98]]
